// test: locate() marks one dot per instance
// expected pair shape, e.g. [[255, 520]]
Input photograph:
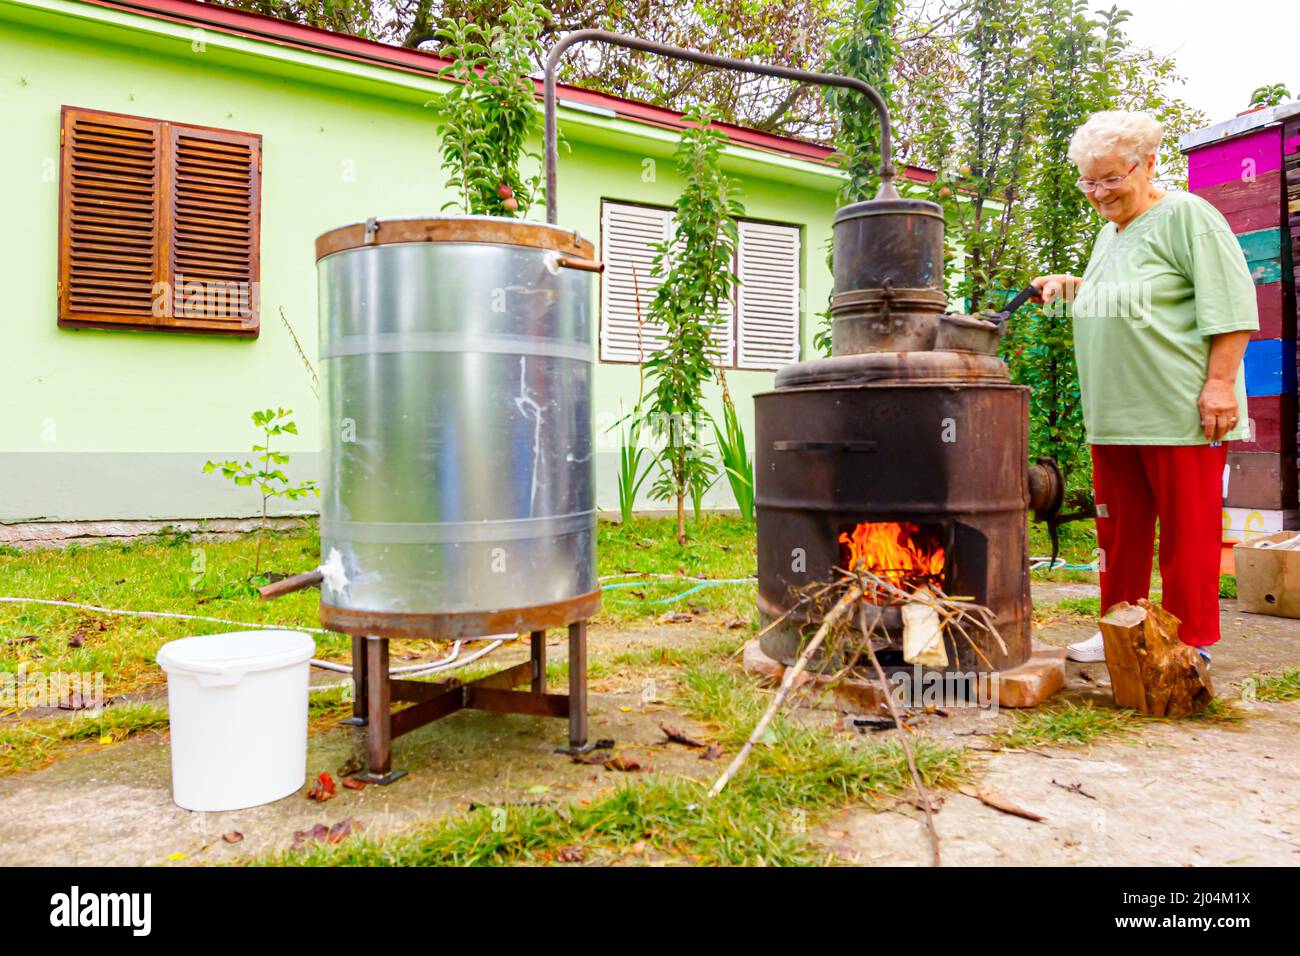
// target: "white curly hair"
[[1135, 135]]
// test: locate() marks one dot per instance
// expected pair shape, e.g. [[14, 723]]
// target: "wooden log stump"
[[1151, 670]]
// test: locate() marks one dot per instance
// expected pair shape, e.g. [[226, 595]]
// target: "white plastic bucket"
[[238, 708]]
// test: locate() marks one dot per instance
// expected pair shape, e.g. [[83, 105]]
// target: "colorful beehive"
[[1249, 168]]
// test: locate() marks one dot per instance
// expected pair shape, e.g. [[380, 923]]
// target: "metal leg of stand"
[[379, 736], [538, 639], [359, 711], [578, 685]]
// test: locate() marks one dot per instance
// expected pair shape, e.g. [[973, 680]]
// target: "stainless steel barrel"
[[457, 480]]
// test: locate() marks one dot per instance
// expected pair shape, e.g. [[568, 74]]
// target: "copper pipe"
[[290, 584], [586, 265]]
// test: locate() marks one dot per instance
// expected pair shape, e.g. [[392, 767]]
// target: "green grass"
[[670, 817], [1070, 724], [174, 572], [1078, 546], [1278, 688], [1081, 607], [679, 655], [1227, 586], [758, 819], [31, 744], [718, 547], [1086, 607], [1219, 710]]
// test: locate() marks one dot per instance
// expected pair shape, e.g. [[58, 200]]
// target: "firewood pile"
[[861, 590]]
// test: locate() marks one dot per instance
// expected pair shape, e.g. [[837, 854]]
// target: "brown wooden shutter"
[[109, 256], [214, 202], [160, 225]]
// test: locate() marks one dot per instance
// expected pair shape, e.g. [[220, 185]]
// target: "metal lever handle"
[[1021, 298], [887, 173]]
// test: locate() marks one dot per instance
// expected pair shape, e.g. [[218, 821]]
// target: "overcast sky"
[[1225, 50]]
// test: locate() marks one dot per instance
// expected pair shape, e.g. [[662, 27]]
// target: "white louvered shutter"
[[628, 236], [768, 268]]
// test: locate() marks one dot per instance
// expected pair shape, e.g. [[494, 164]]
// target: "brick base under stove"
[[1026, 685]]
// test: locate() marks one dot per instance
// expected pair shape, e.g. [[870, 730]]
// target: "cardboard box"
[[1268, 579]]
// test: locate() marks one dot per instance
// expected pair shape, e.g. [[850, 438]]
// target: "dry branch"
[[863, 588], [842, 607], [921, 792]]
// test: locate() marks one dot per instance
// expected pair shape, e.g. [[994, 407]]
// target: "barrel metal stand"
[[377, 691]]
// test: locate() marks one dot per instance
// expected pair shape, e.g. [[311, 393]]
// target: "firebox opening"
[[906, 554]]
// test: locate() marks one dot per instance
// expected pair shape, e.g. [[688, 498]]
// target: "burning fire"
[[896, 552]]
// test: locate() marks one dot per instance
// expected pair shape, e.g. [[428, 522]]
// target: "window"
[[758, 330], [158, 225]]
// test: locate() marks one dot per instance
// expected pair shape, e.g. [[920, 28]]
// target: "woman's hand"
[[1218, 407], [1218, 401], [1053, 287]]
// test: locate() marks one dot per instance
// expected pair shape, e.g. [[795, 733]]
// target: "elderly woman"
[[1162, 315]]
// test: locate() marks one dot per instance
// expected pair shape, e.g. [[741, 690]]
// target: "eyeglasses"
[[1110, 182]]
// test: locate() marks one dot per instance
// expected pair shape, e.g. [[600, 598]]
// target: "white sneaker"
[[1089, 651]]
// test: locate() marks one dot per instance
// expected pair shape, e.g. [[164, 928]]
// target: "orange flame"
[[895, 552]]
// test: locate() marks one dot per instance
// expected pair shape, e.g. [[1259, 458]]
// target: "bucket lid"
[[239, 652]]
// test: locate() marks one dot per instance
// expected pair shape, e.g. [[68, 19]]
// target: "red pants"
[[1182, 485]]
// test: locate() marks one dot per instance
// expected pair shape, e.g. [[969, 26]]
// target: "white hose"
[[450, 662]]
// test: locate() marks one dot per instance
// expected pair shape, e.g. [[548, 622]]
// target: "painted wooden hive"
[[1249, 168]]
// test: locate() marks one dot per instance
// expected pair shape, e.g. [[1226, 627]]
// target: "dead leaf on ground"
[[234, 836], [352, 783], [699, 609], [678, 736], [623, 764], [317, 833], [323, 789], [571, 854], [712, 752], [674, 617], [77, 639], [350, 766], [936, 802], [999, 803], [343, 829], [735, 624], [594, 758]]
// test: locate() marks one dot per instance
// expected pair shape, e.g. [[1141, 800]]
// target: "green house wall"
[[116, 425]]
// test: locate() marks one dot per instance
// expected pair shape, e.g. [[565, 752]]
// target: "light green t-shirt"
[[1149, 300]]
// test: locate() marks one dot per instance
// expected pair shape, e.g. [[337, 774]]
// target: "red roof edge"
[[284, 33]]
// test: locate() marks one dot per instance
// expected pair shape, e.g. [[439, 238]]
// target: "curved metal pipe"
[[887, 171]]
